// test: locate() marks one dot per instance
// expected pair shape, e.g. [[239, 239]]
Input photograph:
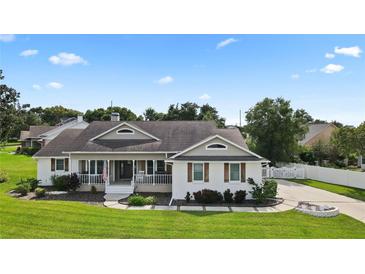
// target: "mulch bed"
[[78, 196], [246, 203]]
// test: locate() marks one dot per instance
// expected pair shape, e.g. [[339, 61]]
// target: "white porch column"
[[153, 171], [133, 165], [88, 168], [108, 172]]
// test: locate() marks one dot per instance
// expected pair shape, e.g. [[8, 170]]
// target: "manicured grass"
[[351, 192], [58, 219]]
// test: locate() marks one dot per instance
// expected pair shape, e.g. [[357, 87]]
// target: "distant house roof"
[[35, 132], [314, 130], [174, 136]]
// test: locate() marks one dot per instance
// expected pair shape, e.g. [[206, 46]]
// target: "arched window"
[[216, 146], [125, 131]]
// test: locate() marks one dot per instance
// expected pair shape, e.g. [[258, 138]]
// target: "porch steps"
[[110, 197], [119, 189]]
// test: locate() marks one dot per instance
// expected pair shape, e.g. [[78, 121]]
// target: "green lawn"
[[57, 219], [351, 192]]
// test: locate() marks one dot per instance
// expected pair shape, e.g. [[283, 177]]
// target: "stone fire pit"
[[317, 210]]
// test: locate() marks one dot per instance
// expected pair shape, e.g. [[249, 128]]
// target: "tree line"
[[273, 127]]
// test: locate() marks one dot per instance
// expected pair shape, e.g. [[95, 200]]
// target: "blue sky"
[[230, 72]]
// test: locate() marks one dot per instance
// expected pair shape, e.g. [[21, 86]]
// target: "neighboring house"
[[39, 136], [318, 132], [152, 156]]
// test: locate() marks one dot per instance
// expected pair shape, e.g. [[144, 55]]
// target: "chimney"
[[114, 117], [80, 118]]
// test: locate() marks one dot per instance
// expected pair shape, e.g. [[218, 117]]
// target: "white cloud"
[[329, 55], [295, 76], [311, 70], [36, 87], [29, 52], [351, 51], [205, 96], [55, 85], [226, 42], [332, 68], [7, 37], [66, 59], [165, 80]]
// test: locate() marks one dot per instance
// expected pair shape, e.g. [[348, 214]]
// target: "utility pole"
[[111, 103], [240, 118]]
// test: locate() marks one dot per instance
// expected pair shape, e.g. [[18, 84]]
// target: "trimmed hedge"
[[139, 200], [207, 196]]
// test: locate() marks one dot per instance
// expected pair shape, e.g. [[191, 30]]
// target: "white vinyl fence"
[[334, 176], [324, 174], [284, 172]]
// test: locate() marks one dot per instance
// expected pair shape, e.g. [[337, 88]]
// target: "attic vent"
[[125, 131], [216, 146]]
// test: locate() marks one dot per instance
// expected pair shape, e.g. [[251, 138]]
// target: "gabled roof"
[[173, 137], [314, 130], [35, 132]]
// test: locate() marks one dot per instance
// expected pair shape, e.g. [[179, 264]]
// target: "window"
[[216, 146], [60, 164], [363, 160], [100, 166], [125, 131], [198, 172], [234, 172], [92, 167], [160, 166], [149, 167]]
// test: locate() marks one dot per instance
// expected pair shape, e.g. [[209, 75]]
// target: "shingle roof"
[[35, 131], [218, 158], [314, 129], [59, 144], [174, 136]]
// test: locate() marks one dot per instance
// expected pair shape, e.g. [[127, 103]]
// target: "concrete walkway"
[[293, 193]]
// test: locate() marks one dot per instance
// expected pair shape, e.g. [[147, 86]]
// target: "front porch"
[[126, 176]]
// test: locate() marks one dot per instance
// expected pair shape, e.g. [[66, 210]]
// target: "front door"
[[126, 170]]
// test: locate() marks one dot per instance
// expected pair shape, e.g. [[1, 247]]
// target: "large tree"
[[101, 114], [275, 128], [152, 115], [8, 110], [54, 115]]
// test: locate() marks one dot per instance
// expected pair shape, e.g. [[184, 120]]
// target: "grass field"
[[351, 192], [58, 219]]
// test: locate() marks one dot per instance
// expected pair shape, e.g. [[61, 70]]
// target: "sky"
[[323, 74]]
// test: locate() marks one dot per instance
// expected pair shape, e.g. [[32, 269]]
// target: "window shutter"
[[206, 172], [226, 172], [66, 164], [190, 172], [243, 172], [53, 164]]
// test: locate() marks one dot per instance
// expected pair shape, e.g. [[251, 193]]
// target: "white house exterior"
[[152, 156]]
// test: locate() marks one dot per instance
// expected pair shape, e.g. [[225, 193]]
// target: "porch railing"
[[153, 179], [91, 179]]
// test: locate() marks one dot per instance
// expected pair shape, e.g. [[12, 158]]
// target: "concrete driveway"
[[293, 193]]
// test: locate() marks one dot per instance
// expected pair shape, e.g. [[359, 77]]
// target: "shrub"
[[93, 190], [33, 183], [188, 197], [3, 176], [270, 189], [22, 189], [61, 183], [240, 196], [257, 191], [150, 200], [74, 182], [228, 196], [40, 192], [208, 196], [136, 200]]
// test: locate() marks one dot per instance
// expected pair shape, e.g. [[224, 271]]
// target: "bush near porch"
[[64, 219]]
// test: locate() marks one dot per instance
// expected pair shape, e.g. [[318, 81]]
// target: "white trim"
[[130, 131], [207, 147], [211, 138], [112, 152], [217, 162], [125, 123]]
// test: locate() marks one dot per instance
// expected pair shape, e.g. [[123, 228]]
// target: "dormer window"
[[125, 131], [216, 146]]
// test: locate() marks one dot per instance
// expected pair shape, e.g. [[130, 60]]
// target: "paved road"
[[293, 193]]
